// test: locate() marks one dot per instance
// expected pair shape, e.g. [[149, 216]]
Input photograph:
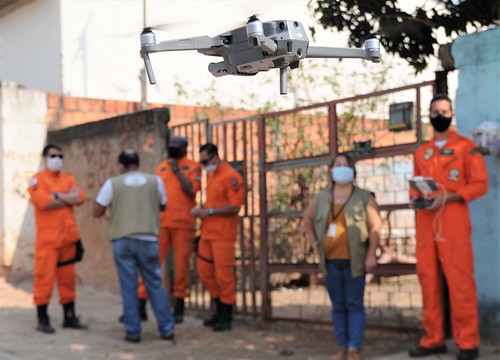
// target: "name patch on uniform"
[[474, 151], [163, 168], [447, 151]]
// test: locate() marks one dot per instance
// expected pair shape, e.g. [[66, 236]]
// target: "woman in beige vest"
[[343, 226]]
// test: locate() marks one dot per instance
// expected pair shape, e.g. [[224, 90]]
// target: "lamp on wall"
[[363, 148], [401, 116]]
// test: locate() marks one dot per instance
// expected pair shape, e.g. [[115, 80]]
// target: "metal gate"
[[283, 158]]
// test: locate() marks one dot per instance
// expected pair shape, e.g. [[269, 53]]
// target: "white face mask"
[[342, 174], [54, 164], [210, 168]]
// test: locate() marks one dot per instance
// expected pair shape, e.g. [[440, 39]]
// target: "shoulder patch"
[[185, 168], [33, 181], [163, 168], [234, 184]]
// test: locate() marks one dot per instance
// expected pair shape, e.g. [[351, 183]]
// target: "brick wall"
[[65, 111]]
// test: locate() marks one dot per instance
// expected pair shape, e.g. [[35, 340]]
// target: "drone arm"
[[264, 43], [194, 43], [371, 52], [149, 68]]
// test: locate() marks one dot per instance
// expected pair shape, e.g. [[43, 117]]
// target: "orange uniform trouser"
[[182, 243], [451, 254], [46, 270], [215, 265]]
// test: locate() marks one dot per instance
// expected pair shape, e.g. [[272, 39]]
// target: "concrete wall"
[[30, 49], [477, 100], [91, 152], [22, 136]]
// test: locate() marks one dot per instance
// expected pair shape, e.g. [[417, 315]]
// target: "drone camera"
[[282, 25]]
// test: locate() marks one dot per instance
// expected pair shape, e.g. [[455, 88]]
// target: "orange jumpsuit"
[[177, 222], [458, 167], [56, 236], [218, 233]]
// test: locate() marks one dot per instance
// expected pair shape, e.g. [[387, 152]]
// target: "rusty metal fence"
[[283, 158]]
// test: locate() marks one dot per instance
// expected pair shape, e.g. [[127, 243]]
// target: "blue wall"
[[477, 100]]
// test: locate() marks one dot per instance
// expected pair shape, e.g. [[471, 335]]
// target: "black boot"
[[179, 310], [142, 309], [43, 320], [70, 318], [215, 316], [225, 318]]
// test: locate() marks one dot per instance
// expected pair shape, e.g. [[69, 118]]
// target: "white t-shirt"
[[440, 143], [105, 196]]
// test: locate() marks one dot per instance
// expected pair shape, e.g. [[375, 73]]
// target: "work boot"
[[142, 311], [43, 320], [179, 310], [468, 354], [70, 318], [224, 321], [215, 316], [353, 354]]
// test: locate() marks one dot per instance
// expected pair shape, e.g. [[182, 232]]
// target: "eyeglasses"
[[60, 156], [205, 162]]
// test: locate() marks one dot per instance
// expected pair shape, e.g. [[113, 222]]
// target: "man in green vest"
[[135, 199]]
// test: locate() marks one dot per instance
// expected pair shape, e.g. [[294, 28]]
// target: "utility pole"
[[142, 76]]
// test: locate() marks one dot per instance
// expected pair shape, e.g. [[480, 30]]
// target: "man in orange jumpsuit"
[[54, 194], [219, 229], [444, 233], [182, 179]]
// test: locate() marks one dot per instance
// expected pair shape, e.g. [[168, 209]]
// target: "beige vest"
[[134, 209], [357, 227]]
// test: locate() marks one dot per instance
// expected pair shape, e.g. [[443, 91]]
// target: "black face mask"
[[174, 152], [440, 123]]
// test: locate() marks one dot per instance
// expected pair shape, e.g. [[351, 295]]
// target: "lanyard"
[[335, 216]]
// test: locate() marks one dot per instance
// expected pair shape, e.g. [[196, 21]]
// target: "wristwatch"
[[210, 211]]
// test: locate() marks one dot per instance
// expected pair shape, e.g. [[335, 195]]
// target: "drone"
[[258, 46]]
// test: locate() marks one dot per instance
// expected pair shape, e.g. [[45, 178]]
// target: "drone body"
[[258, 46]]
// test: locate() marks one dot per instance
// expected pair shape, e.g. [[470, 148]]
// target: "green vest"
[[134, 209], [356, 222]]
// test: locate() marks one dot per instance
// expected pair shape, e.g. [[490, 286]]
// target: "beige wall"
[[22, 136], [91, 152]]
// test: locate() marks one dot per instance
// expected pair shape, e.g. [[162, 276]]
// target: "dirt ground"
[[249, 339]]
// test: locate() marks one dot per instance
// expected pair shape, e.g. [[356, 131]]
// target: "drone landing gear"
[[283, 80]]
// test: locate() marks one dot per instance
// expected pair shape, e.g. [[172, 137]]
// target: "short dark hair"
[[128, 157], [438, 97], [47, 148], [351, 161], [210, 149]]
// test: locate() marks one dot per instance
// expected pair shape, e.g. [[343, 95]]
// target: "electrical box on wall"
[[401, 116]]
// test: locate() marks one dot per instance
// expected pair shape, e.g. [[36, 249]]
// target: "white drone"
[[257, 46]]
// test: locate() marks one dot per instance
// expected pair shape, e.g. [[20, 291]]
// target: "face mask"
[[210, 168], [342, 174], [174, 152], [54, 164], [440, 123]]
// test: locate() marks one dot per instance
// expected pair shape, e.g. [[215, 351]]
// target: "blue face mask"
[[342, 174]]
